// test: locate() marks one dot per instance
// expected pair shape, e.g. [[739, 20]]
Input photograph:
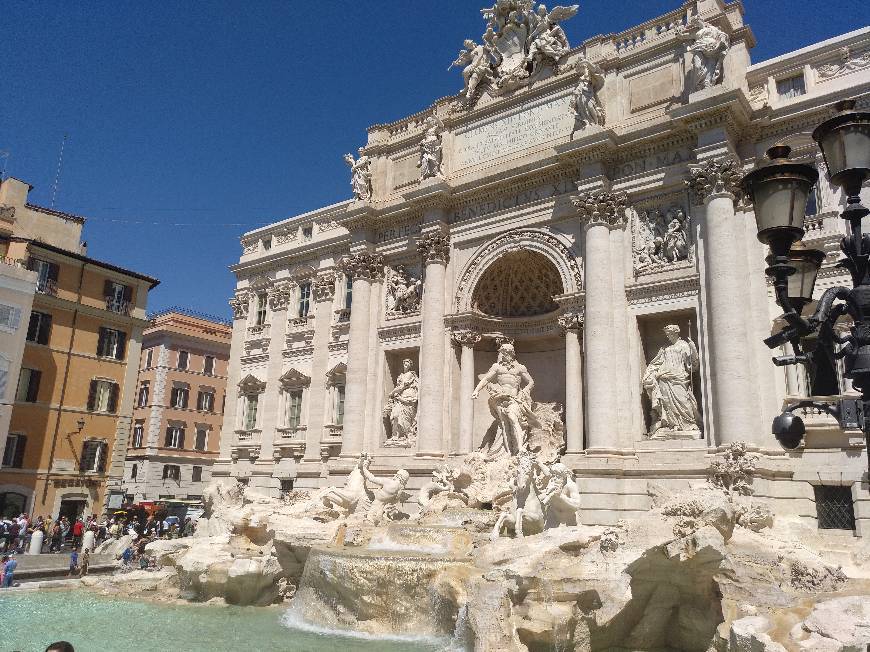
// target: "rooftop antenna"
[[59, 165], [4, 161]]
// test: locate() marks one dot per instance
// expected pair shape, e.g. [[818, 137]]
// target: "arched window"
[[12, 504]]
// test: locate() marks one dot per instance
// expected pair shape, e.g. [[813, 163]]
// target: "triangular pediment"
[[294, 378], [337, 374], [250, 384]]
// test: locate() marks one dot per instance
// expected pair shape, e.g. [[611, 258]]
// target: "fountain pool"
[[94, 623]]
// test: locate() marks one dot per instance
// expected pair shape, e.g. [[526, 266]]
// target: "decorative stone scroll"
[[434, 247], [323, 287], [602, 207], [240, 304], [571, 321], [715, 177], [466, 337], [660, 239], [363, 265]]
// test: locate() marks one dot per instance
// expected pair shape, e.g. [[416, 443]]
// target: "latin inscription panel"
[[530, 126]]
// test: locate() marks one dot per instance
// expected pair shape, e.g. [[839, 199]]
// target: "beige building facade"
[[585, 213], [180, 399], [72, 397]]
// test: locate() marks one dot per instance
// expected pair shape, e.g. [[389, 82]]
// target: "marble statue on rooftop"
[[668, 383], [509, 385], [430, 148], [584, 101], [475, 58], [547, 41], [357, 492], [709, 46], [401, 407], [360, 175]]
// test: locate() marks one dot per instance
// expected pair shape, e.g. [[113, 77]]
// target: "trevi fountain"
[[513, 395]]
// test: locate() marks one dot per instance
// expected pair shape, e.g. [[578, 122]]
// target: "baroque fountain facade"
[[514, 391]]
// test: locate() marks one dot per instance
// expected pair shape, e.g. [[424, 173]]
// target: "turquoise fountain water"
[[92, 623]]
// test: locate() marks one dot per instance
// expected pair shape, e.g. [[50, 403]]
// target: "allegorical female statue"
[[668, 383], [401, 408], [360, 175], [509, 402], [709, 47]]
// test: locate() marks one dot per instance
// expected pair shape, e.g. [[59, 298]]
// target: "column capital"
[[571, 321], [602, 207], [279, 296], [323, 287], [369, 266], [240, 304], [718, 177], [465, 337], [434, 247]]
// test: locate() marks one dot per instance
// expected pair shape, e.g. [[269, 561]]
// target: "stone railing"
[[334, 430], [248, 437], [287, 432], [262, 331]]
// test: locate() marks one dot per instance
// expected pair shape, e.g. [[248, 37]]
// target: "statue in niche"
[[660, 239], [430, 148], [509, 385], [360, 175], [475, 58], [708, 48], [547, 40], [403, 292], [584, 101], [357, 494], [667, 382], [401, 407]]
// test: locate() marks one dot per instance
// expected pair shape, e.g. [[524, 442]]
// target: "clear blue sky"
[[208, 113]]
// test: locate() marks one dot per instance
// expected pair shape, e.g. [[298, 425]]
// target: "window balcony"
[[334, 431], [47, 286], [342, 315], [247, 437], [286, 432], [259, 332], [120, 307]]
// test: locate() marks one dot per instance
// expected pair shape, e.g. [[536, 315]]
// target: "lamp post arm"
[[825, 309]]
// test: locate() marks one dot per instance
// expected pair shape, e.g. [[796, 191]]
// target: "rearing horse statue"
[[526, 514]]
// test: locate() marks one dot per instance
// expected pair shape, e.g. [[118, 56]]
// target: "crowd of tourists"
[[60, 535]]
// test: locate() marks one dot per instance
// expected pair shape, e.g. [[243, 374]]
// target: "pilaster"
[[324, 296], [571, 324], [434, 247], [466, 340]]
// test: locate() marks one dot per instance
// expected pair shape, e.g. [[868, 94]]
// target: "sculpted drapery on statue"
[[708, 48], [401, 407], [668, 383], [584, 101], [518, 41], [360, 175], [430, 148], [510, 402]]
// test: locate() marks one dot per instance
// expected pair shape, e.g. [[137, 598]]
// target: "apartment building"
[[180, 400], [72, 400]]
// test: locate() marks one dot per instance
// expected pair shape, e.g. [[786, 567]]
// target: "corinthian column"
[[600, 212], [572, 325], [466, 341], [324, 293], [435, 249], [734, 405], [363, 268]]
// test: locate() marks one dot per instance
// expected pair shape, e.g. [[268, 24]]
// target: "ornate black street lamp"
[[779, 192]]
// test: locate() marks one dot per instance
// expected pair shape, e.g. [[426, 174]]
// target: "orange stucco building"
[[180, 400], [72, 402]]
